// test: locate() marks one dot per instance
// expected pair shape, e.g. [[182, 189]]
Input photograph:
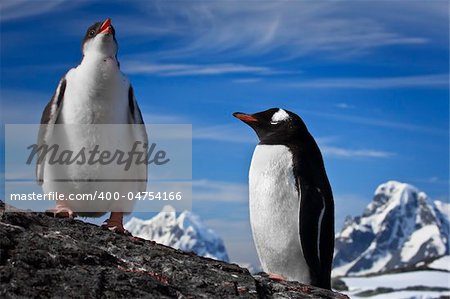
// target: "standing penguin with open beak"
[[96, 92], [291, 202]]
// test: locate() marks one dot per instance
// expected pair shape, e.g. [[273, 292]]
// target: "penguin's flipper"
[[49, 117], [140, 132], [314, 234]]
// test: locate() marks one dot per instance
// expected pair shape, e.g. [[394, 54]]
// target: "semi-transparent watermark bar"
[[99, 167]]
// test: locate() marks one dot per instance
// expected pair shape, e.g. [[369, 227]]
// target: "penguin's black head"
[[100, 38], [275, 126]]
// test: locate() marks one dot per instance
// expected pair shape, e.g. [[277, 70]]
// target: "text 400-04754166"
[[156, 195]]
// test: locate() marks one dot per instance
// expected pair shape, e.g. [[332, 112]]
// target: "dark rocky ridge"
[[45, 257]]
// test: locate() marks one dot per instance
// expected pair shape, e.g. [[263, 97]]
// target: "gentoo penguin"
[[291, 202], [91, 101]]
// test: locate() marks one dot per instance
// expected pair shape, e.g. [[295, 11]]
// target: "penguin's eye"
[[91, 33]]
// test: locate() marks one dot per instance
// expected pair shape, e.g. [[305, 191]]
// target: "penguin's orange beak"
[[106, 26], [244, 117]]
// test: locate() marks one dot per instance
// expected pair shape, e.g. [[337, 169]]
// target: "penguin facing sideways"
[[291, 202], [93, 94]]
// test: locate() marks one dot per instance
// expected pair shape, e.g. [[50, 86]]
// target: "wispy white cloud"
[[294, 28], [237, 133], [134, 67], [329, 149], [435, 180], [238, 28], [17, 9], [377, 122], [162, 118], [248, 80], [219, 191], [340, 152], [225, 133], [434, 80], [344, 106]]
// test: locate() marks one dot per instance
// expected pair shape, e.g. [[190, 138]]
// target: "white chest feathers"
[[96, 92], [274, 212]]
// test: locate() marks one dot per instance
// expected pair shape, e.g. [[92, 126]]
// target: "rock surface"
[[46, 257]]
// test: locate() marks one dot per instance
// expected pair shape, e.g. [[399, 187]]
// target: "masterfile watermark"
[[99, 167], [52, 154]]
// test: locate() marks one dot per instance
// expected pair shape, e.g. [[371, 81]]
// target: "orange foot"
[[115, 224], [304, 289], [115, 227], [276, 277], [61, 211]]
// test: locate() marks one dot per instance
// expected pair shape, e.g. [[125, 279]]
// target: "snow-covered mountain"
[[185, 232], [399, 228]]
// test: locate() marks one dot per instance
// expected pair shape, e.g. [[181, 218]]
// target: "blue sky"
[[369, 78]]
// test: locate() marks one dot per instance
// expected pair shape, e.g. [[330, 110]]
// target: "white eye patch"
[[278, 116]]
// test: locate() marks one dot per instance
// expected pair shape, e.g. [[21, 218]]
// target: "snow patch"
[[443, 207], [442, 263], [429, 233], [398, 280]]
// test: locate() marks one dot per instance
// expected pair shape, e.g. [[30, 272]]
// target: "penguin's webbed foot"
[[115, 226], [276, 277], [60, 211]]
